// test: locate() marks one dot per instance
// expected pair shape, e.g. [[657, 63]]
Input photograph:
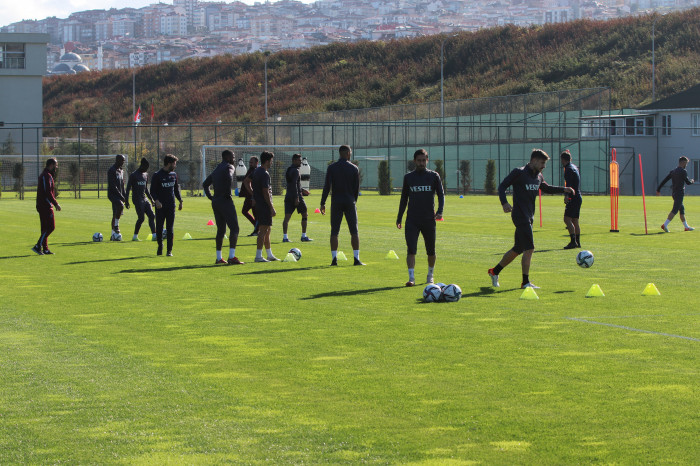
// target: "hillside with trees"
[[490, 62]]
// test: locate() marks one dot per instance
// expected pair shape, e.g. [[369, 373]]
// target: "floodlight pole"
[[653, 60]]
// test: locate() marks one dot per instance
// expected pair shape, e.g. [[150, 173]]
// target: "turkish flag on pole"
[[152, 112], [137, 117]]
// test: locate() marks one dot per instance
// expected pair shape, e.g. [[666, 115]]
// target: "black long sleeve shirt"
[[526, 184], [222, 180], [342, 181], [115, 184], [165, 188], [679, 178], [419, 189]]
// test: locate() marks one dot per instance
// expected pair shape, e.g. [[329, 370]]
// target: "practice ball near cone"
[[289, 258]]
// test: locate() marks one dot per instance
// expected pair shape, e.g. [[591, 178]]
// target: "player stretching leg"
[[45, 202], [164, 190], [142, 199], [679, 178], [116, 193], [294, 200], [264, 210], [222, 205], [343, 180], [419, 189], [572, 212], [526, 182]]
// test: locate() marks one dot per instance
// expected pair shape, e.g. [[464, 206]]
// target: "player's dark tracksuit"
[[138, 181], [222, 203], [115, 190], [572, 177], [419, 189], [679, 178], [343, 182], [248, 203], [293, 192], [261, 181], [45, 201], [165, 188], [526, 184]]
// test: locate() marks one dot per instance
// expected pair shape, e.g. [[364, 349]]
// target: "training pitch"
[[109, 354]]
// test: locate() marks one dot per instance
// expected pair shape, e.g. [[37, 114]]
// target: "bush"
[[490, 183], [465, 173], [440, 169], [384, 178], [74, 177], [18, 175]]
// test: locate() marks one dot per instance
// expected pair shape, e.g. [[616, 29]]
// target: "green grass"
[[109, 354]]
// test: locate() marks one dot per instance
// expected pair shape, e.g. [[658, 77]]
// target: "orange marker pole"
[[614, 191], [644, 202], [540, 193]]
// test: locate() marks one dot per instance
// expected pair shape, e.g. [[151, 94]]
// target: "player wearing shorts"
[[45, 202], [294, 200], [526, 182], [116, 193], [246, 192], [679, 178], [264, 209], [419, 189], [572, 211], [222, 205], [343, 181], [141, 197], [164, 190]]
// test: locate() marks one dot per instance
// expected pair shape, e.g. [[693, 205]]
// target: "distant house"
[[662, 132]]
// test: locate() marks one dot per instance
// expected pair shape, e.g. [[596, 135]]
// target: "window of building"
[[11, 55], [665, 125], [695, 123], [639, 126]]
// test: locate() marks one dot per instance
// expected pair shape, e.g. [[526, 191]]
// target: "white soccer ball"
[[441, 285], [451, 293], [296, 253], [115, 236], [585, 259], [97, 237], [432, 293]]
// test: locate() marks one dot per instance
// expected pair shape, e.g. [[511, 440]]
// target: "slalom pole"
[[540, 193], [644, 202], [614, 191]]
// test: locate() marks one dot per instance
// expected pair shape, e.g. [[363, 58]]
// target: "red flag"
[[152, 112], [137, 117]]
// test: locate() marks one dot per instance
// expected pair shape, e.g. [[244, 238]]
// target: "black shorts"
[[263, 215], [524, 239], [289, 206], [225, 215], [143, 208], [573, 208], [348, 209], [678, 204], [117, 209], [411, 231]]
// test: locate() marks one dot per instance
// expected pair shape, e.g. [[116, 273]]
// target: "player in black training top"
[[164, 190], [679, 178], [246, 192], [138, 181], [343, 182], [572, 211], [264, 210], [526, 182], [222, 205], [419, 189], [116, 193], [294, 200]]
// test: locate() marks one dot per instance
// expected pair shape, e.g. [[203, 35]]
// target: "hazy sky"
[[12, 11]]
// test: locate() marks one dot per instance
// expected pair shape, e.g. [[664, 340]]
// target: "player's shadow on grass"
[[563, 291], [171, 269], [269, 271], [536, 250], [335, 294], [16, 257], [486, 291], [645, 234], [77, 243], [104, 260]]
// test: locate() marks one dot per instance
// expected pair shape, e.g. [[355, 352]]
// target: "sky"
[[12, 11]]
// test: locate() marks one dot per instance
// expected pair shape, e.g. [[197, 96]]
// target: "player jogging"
[[264, 210], [164, 190], [116, 193], [419, 189], [679, 178], [246, 192], [45, 202], [138, 181], [343, 181], [526, 182], [222, 205], [293, 200], [572, 211]]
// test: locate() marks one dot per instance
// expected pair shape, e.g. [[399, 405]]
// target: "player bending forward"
[[526, 182]]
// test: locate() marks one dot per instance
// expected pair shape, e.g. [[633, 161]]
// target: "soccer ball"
[[441, 285], [115, 236], [296, 253], [451, 293], [585, 259], [97, 237], [431, 293]]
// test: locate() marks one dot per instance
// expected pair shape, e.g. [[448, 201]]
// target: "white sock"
[[356, 253], [685, 224], [269, 252], [218, 254], [135, 237], [430, 271], [303, 235], [231, 253], [334, 254], [667, 222], [258, 254], [285, 236], [116, 223], [411, 275]]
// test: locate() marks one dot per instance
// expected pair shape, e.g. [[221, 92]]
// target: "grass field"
[[109, 354]]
